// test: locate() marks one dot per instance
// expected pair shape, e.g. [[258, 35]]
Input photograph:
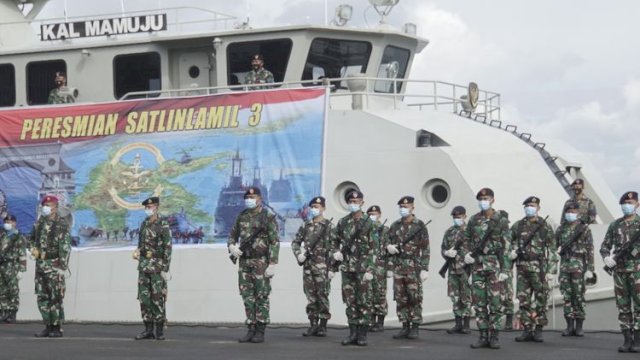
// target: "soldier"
[[154, 258], [355, 247], [258, 74], [13, 261], [61, 94], [487, 234], [313, 256], [409, 246], [254, 240], [576, 263], [458, 288], [381, 271], [587, 209], [534, 251], [50, 244], [623, 236]]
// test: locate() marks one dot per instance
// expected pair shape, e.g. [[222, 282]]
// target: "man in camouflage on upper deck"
[[586, 208], [50, 244], [258, 74], [488, 236], [623, 233], [254, 240], [60, 94], [355, 247], [382, 270], [12, 261], [458, 288], [312, 249], [575, 248], [409, 248], [534, 252], [154, 258]]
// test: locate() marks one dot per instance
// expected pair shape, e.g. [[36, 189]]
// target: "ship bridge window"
[[7, 85], [275, 53], [41, 79], [136, 72], [393, 66], [334, 58]]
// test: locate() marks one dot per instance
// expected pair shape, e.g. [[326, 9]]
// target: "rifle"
[[246, 245], [520, 251], [443, 270], [410, 237], [309, 250], [623, 252], [565, 249], [346, 247]]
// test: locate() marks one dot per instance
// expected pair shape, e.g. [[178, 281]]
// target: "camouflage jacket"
[[382, 257], [313, 239], [154, 244], [495, 254], [586, 209], [358, 249], [266, 244], [12, 251], [60, 96], [51, 237], [618, 233], [541, 249], [412, 240], [451, 237], [262, 76], [580, 253]]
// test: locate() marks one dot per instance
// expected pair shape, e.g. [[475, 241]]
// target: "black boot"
[[579, 331], [353, 336], [493, 340], [635, 347], [465, 326], [626, 347], [403, 332], [55, 331], [362, 335], [457, 328], [322, 328], [313, 328], [160, 330], [508, 324], [259, 336], [3, 315], [483, 341], [251, 331], [537, 335], [379, 325], [11, 317], [526, 335], [45, 332], [147, 333], [570, 329], [413, 331]]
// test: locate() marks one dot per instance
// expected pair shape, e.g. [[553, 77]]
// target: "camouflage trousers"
[[50, 289], [9, 290], [572, 288], [487, 299], [626, 287], [356, 295], [459, 292], [379, 290], [407, 292], [316, 285], [152, 294], [533, 290], [507, 295], [255, 288]]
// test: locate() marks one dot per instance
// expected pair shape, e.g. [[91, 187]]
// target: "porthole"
[[194, 71], [436, 192], [341, 192]]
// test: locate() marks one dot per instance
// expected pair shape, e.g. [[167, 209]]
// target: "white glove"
[[610, 261], [271, 270], [337, 256], [235, 251], [389, 273], [392, 249], [164, 275], [424, 275], [301, 258], [368, 276], [60, 271], [550, 277], [503, 277], [559, 249], [513, 255], [18, 276], [468, 259], [588, 274], [451, 253], [331, 274]]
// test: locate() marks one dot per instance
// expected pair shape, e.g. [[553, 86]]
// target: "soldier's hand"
[[271, 271], [503, 277], [468, 259], [424, 275], [392, 249], [164, 275], [136, 254], [18, 276], [301, 258], [588, 274], [235, 251], [610, 261], [337, 256], [60, 271], [451, 253], [35, 254], [389, 273], [331, 274], [559, 249], [368, 276], [550, 277], [513, 255]]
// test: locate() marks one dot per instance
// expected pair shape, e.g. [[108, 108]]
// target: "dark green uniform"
[[458, 288], [12, 261], [379, 282]]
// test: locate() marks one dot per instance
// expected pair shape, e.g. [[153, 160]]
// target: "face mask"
[[458, 221], [148, 212], [8, 226], [314, 212], [577, 191], [46, 210], [570, 217], [354, 207], [59, 83], [373, 217], [484, 205], [255, 67], [250, 203], [530, 211], [404, 212], [628, 209]]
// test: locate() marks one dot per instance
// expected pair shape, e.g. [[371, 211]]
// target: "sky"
[[566, 70]]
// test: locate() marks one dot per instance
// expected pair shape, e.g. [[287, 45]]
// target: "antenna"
[[383, 8]]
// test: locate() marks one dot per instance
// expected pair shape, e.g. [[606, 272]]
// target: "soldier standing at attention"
[[254, 240], [60, 94], [12, 261], [586, 208], [355, 247], [381, 271], [576, 263], [312, 247], [409, 246], [458, 289], [487, 234], [623, 236], [154, 257], [50, 244], [258, 74], [534, 251]]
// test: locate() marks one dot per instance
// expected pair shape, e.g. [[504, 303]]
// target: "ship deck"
[[107, 341]]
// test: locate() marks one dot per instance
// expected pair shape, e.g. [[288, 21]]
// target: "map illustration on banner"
[[198, 154]]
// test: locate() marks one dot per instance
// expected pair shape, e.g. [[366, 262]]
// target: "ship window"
[[41, 79], [393, 66], [7, 85], [136, 72], [275, 52], [334, 58]]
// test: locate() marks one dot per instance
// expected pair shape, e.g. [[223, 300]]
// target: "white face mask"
[[458, 221], [373, 217], [250, 203], [148, 212], [570, 217], [530, 211], [315, 212], [628, 209], [46, 210], [404, 212], [354, 207], [484, 205], [8, 226]]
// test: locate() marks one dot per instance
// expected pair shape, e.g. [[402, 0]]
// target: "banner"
[[198, 154]]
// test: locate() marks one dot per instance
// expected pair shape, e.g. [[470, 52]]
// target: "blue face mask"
[[314, 212], [148, 212], [530, 211], [354, 207], [570, 217], [404, 212], [484, 205], [8, 227], [458, 221], [628, 209], [373, 218], [46, 210], [250, 203]]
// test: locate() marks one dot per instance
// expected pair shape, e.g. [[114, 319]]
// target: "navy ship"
[[230, 200]]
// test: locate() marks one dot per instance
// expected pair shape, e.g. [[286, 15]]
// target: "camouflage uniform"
[[262, 76], [573, 264], [379, 282], [586, 209], [458, 288], [60, 96], [12, 260]]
